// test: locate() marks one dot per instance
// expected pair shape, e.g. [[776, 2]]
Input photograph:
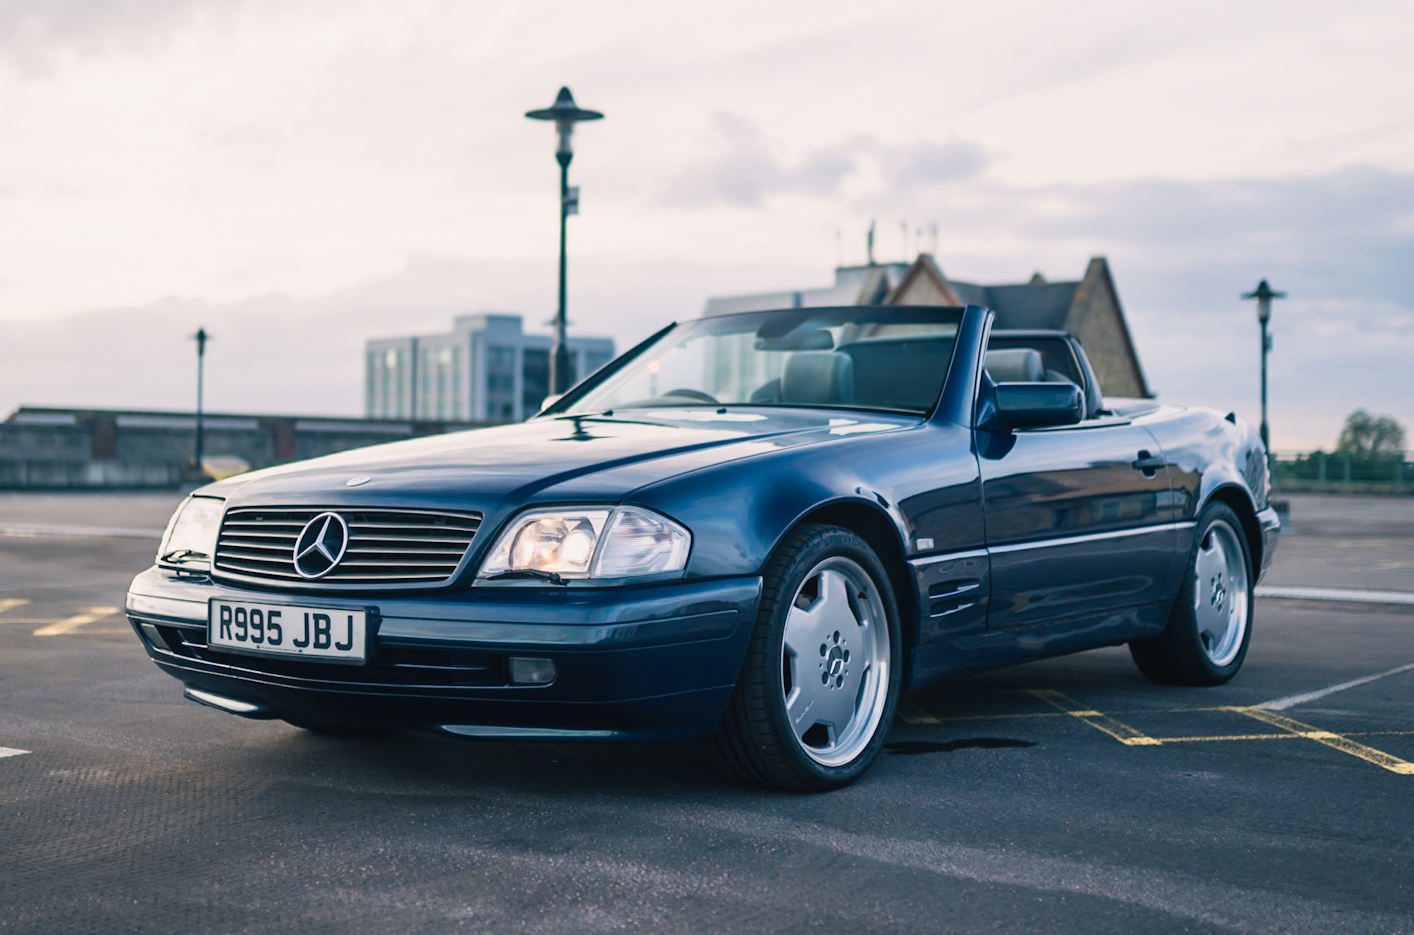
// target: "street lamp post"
[[566, 114], [1264, 295], [201, 338]]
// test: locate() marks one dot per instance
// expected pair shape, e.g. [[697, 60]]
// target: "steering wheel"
[[697, 395]]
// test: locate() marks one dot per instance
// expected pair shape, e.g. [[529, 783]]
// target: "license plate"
[[326, 634]]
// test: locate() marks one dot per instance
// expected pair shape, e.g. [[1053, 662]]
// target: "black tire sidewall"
[[826, 542]]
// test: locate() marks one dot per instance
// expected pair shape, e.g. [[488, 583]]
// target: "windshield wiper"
[[182, 555], [550, 576]]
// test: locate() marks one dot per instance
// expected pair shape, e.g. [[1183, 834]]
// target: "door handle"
[[1148, 464]]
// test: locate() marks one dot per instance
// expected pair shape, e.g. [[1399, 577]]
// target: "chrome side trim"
[[949, 557], [1092, 537]]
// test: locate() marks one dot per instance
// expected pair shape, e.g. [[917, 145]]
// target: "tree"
[[1367, 436]]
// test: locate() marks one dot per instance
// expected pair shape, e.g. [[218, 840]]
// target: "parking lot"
[[1068, 795]]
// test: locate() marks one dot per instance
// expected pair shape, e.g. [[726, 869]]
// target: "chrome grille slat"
[[387, 546], [245, 534], [431, 539]]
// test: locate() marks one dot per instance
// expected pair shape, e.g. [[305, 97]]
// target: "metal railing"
[[1342, 472]]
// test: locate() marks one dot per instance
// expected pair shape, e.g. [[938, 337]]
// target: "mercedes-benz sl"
[[762, 528]]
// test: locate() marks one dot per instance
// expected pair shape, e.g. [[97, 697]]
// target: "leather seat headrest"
[[818, 377], [1016, 365]]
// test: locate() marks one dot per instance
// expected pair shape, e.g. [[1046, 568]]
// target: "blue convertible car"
[[762, 527]]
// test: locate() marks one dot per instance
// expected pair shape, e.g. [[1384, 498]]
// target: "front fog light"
[[529, 671]]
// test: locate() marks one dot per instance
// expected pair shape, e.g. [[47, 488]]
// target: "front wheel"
[[1210, 625], [820, 683]]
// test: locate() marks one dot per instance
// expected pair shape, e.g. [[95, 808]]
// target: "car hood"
[[545, 458]]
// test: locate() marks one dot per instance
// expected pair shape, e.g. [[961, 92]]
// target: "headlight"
[[190, 539], [591, 542]]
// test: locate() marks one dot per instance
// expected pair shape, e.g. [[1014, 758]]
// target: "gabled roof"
[[1088, 308], [923, 284]]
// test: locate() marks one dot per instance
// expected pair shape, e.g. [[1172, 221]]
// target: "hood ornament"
[[320, 545], [357, 481]]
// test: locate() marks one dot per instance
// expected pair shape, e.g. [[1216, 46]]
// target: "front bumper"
[[1270, 524], [650, 662]]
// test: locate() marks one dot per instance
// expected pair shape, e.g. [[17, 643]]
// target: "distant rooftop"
[[1087, 307]]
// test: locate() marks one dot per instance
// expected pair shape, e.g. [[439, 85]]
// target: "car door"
[[1078, 522]]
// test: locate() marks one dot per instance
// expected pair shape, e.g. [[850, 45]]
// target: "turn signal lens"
[[589, 543], [642, 543]]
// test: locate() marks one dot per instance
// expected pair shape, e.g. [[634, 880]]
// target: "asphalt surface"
[[1062, 796]]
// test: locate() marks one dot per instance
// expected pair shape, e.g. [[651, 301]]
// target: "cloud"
[[35, 33], [304, 355], [741, 169]]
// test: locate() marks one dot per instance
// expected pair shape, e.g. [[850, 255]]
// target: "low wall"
[[48, 449]]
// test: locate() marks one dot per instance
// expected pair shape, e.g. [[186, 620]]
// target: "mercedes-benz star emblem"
[[320, 545]]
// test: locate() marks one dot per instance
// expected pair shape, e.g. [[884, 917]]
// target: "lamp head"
[[566, 113], [1264, 295]]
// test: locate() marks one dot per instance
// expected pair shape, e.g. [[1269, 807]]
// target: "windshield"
[[866, 357]]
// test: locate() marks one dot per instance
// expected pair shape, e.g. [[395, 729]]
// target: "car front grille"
[[386, 546]]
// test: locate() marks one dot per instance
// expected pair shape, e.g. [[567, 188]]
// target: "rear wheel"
[[1210, 625], [820, 683]]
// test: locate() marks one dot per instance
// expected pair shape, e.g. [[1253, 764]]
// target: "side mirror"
[[1034, 405]]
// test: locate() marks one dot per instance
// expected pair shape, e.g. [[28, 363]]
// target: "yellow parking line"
[[76, 621], [1101, 722], [9, 603], [1335, 741], [1229, 737]]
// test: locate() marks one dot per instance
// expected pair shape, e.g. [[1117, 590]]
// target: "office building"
[[487, 369]]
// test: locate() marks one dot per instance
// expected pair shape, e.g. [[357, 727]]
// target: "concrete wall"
[[87, 448]]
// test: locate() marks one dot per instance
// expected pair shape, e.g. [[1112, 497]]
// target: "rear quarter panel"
[[1207, 452]]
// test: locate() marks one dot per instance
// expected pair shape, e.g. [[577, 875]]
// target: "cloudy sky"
[[299, 175]]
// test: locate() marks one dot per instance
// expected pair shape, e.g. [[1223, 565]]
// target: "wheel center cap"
[[834, 657], [1219, 593]]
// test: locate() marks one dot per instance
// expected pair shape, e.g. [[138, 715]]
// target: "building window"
[[500, 383], [534, 380], [457, 383], [370, 389], [444, 364], [391, 390]]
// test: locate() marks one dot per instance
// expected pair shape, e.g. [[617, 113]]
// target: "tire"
[[827, 629], [1210, 625]]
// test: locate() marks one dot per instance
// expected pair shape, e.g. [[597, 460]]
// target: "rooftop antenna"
[[869, 241], [933, 238], [903, 226]]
